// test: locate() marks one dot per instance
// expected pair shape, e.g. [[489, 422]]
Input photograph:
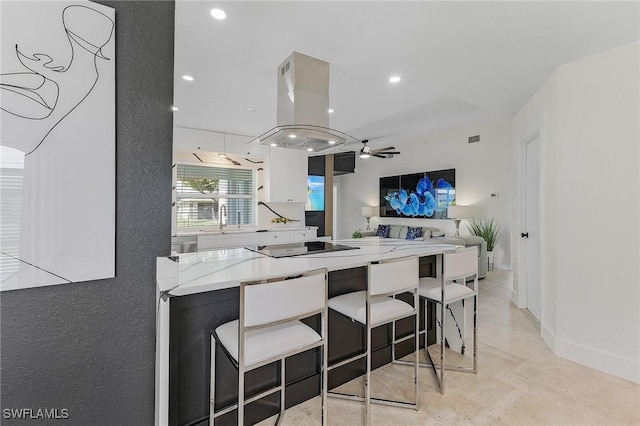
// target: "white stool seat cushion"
[[383, 309], [430, 288], [269, 342]]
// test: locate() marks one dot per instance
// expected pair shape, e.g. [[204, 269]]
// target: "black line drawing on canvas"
[[34, 266], [50, 92], [57, 143]]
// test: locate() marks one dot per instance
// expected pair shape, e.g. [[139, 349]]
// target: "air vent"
[[284, 69], [473, 139]]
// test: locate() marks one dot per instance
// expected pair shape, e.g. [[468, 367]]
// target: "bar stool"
[[269, 330], [452, 287], [378, 306]]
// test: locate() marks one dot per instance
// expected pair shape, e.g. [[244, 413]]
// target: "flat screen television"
[[315, 194]]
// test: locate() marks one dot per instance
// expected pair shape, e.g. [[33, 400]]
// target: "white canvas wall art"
[[57, 146]]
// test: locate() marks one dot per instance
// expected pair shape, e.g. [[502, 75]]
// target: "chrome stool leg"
[[475, 334], [443, 313], [212, 385]]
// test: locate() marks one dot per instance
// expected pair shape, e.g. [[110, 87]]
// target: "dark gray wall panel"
[[90, 347]]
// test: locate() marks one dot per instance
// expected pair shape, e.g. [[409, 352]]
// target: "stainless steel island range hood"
[[303, 107]]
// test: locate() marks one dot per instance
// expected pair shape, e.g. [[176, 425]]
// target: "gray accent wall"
[[90, 347]]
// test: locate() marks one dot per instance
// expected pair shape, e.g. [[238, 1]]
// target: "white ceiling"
[[456, 59]]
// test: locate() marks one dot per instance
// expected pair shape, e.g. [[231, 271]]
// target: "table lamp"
[[368, 211], [457, 213]]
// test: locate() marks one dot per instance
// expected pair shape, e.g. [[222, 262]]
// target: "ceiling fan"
[[367, 151]]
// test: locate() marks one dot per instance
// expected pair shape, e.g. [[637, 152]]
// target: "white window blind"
[[10, 207], [201, 192]]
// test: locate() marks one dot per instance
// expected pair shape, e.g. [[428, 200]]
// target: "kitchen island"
[[197, 292]]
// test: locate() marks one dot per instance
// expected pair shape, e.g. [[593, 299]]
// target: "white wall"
[[588, 115], [481, 169]]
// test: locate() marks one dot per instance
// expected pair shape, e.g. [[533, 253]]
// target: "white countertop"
[[218, 269], [232, 230]]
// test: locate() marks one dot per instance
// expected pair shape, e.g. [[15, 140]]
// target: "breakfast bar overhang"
[[196, 292]]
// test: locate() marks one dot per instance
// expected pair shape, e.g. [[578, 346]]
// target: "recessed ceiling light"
[[218, 14], [222, 155], [292, 136], [175, 108], [332, 142], [330, 111], [187, 78], [273, 144], [310, 149], [394, 79]]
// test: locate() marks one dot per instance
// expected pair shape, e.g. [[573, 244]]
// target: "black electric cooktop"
[[299, 249]]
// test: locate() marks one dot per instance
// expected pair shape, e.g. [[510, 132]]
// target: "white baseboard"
[[514, 298], [612, 364], [502, 265], [548, 337]]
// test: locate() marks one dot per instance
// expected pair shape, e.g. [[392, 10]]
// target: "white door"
[[531, 228]]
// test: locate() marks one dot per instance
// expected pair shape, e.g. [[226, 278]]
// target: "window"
[[201, 193]]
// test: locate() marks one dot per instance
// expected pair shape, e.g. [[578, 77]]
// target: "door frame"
[[520, 295], [533, 304]]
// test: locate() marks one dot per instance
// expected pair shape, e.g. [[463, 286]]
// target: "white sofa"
[[434, 234]]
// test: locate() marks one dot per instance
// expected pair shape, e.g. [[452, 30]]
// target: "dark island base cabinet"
[[193, 317]]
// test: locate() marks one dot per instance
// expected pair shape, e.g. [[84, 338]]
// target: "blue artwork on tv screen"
[[425, 195], [315, 193]]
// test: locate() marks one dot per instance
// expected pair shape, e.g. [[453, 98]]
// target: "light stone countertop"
[[191, 273], [233, 230]]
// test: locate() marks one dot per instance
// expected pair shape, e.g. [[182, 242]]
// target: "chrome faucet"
[[222, 212]]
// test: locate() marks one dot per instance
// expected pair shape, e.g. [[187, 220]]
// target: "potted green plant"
[[490, 231]]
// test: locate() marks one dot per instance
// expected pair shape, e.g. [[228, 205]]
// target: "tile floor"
[[519, 382]]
